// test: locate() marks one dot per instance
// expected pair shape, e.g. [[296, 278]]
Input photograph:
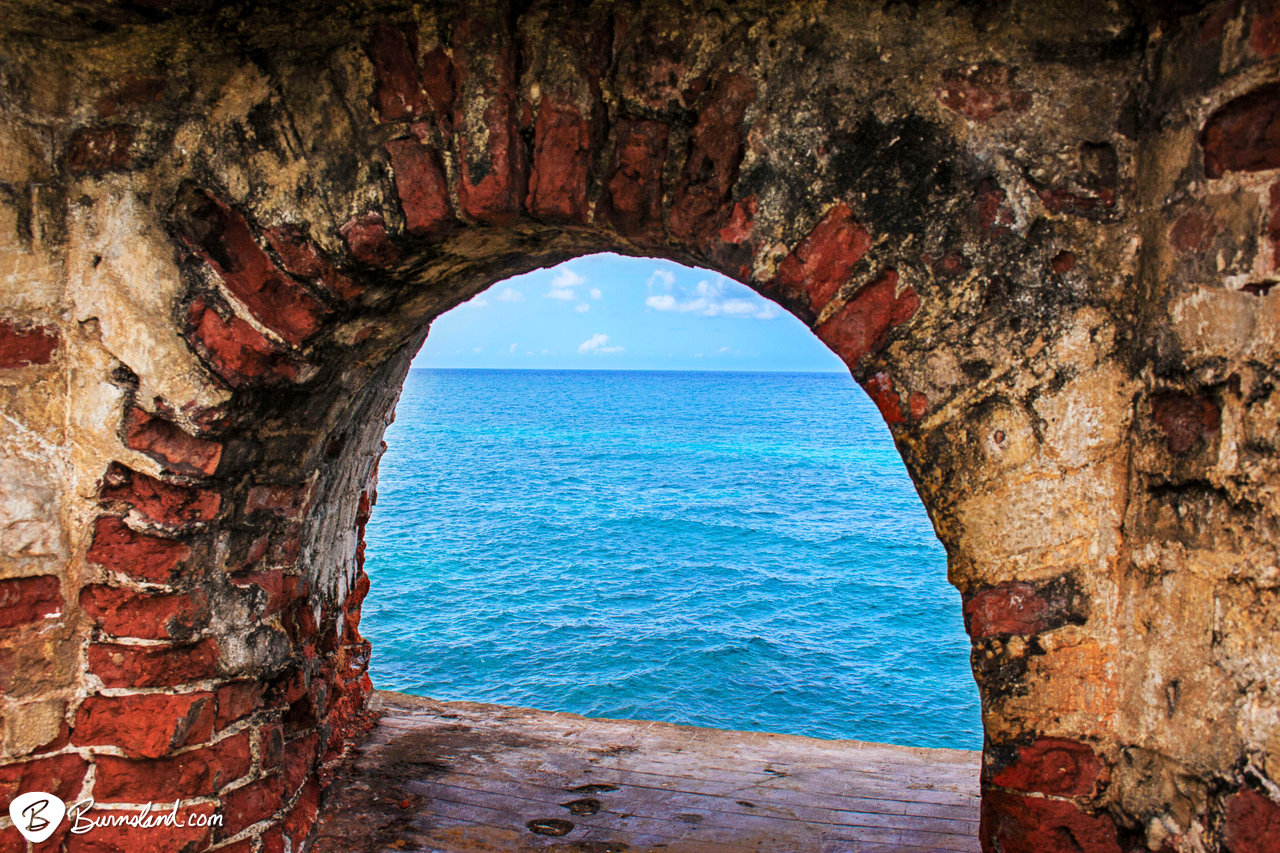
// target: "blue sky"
[[608, 312]]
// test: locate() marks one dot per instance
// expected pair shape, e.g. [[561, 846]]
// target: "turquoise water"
[[737, 550]]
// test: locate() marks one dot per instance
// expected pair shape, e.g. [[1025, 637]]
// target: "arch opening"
[[562, 526]]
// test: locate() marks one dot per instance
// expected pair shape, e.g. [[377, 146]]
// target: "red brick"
[[701, 202], [132, 90], [292, 685], [221, 237], [1015, 824], [298, 255], [438, 80], [346, 717], [1264, 29], [99, 149], [270, 746], [735, 250], [367, 240], [272, 840], [421, 186], [127, 613], [301, 257], [119, 549], [60, 775], [153, 666], [300, 757], [1053, 766], [198, 772], [158, 501], [302, 815], [1192, 232], [167, 443], [1004, 610], [236, 701], [493, 180], [147, 725], [633, 191], [859, 327], [159, 837], [1244, 135], [881, 391], [238, 353], [979, 92], [1252, 823], [1019, 608], [823, 261], [30, 599], [493, 165], [280, 588], [25, 344], [1084, 203], [251, 803], [991, 213], [398, 90], [563, 145], [1184, 418]]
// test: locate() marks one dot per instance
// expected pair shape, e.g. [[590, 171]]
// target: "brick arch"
[[1041, 240]]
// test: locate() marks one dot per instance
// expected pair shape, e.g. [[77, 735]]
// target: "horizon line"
[[633, 370]]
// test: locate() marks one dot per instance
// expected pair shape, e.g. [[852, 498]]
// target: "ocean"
[[735, 550]]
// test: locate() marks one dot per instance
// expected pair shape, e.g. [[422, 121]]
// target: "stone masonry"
[[1044, 237]]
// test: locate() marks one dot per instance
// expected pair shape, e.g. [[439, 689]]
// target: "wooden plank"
[[460, 777]]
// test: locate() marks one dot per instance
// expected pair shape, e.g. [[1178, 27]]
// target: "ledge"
[[462, 776]]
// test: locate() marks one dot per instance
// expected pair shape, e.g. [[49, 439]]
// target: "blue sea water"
[[736, 550]]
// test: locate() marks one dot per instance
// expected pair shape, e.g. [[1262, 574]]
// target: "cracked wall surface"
[[1043, 236]]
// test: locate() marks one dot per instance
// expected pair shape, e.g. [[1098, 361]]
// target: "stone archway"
[[1041, 238]]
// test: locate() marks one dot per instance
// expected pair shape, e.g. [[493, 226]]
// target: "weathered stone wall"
[[1043, 236]]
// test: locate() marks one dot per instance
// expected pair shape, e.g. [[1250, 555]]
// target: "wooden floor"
[[458, 776]]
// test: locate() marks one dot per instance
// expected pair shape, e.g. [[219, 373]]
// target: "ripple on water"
[[742, 551]]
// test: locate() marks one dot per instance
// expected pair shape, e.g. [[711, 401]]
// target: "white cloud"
[[567, 278], [596, 293], [511, 349], [563, 284], [478, 302], [509, 294], [597, 343], [476, 349], [709, 299], [582, 308], [664, 278]]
